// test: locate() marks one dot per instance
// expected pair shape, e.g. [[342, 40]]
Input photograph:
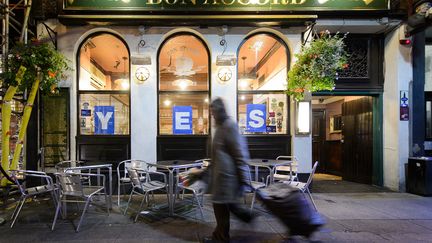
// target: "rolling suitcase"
[[291, 207]]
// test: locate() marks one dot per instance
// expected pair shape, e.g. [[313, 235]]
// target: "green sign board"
[[226, 5]]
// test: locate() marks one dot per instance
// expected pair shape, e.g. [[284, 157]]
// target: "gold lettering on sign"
[[171, 2], [154, 1], [192, 1], [225, 2], [298, 1], [215, 2], [244, 2]]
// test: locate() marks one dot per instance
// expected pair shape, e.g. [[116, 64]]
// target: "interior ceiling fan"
[[183, 65]]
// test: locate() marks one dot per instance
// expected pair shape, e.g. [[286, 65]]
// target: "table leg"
[[110, 186], [170, 192], [256, 173]]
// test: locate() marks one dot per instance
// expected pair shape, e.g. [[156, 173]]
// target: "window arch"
[[263, 63], [183, 85], [103, 85]]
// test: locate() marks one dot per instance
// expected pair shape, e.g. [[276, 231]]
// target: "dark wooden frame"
[[102, 141], [196, 143]]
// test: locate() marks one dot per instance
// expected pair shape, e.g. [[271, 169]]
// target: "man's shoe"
[[208, 240], [211, 240]]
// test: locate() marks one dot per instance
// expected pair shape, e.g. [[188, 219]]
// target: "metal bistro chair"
[[48, 186], [62, 166], [143, 188], [255, 185], [304, 187], [71, 186], [123, 178], [286, 173], [198, 189]]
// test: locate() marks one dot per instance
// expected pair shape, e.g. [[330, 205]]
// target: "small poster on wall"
[[104, 119], [404, 105], [182, 119]]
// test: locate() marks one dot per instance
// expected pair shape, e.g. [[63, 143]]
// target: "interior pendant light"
[[245, 80]]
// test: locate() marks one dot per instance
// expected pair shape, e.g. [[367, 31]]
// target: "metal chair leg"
[[253, 200], [141, 205], [118, 193], [199, 205], [82, 215], [18, 212], [16, 208], [106, 203], [310, 196], [56, 214], [127, 205]]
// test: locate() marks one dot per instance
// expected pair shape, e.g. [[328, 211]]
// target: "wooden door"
[[357, 135], [318, 138]]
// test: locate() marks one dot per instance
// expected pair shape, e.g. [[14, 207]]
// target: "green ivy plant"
[[317, 65], [41, 61]]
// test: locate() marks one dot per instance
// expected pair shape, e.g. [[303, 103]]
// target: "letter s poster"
[[256, 117]]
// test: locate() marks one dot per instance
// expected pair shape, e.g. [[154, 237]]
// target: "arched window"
[[263, 62], [183, 86], [103, 86]]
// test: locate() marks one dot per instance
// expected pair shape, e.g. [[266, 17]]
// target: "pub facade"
[[144, 72]]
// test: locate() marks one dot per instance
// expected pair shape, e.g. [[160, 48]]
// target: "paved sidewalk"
[[351, 217]]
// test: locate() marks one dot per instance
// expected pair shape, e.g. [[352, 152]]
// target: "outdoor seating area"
[[143, 188]]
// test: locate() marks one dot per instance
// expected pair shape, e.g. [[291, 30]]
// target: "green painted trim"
[[353, 93], [378, 167]]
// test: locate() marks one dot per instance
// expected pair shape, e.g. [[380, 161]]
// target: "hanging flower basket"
[[317, 65], [41, 61]]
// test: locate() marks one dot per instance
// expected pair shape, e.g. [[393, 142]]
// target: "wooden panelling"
[[358, 140], [268, 146], [103, 149], [182, 147], [333, 157]]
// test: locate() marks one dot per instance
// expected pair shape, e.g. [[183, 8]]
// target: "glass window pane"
[[276, 112], [183, 65], [104, 64], [262, 63], [104, 114], [198, 103]]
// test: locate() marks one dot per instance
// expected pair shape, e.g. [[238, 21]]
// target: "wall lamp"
[[303, 118]]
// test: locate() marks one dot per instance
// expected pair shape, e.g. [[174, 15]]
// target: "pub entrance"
[[343, 137]]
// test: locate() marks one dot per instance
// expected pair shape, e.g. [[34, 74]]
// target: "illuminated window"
[[104, 84], [262, 71], [183, 86]]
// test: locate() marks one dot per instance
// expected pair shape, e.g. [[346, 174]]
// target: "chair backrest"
[[293, 166], [70, 184], [134, 176], [62, 165], [312, 174], [131, 163]]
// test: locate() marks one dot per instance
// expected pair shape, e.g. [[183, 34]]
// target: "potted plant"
[[28, 68], [317, 65]]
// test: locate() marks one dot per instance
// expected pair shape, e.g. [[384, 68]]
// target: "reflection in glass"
[[183, 65], [101, 69], [184, 84], [88, 104], [200, 112], [262, 71], [276, 111], [262, 64]]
